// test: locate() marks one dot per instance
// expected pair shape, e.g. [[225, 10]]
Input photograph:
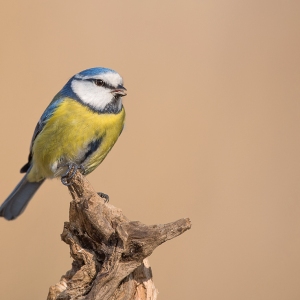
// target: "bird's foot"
[[72, 168], [105, 196]]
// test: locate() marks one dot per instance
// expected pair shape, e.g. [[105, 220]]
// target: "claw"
[[65, 182], [72, 168], [105, 196]]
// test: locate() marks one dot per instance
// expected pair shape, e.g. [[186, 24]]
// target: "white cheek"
[[91, 94]]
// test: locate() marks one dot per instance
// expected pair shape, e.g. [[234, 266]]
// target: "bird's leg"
[[72, 168], [105, 196]]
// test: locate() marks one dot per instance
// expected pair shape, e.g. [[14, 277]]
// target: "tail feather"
[[17, 201]]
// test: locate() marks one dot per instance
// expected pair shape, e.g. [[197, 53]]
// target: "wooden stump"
[[109, 251]]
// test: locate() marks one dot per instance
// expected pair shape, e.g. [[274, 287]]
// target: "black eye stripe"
[[103, 83]]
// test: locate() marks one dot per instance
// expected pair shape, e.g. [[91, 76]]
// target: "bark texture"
[[109, 251]]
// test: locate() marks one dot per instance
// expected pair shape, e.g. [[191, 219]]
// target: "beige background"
[[212, 133]]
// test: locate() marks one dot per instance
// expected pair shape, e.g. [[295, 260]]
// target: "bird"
[[76, 131]]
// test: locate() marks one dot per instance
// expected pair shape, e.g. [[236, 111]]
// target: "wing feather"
[[40, 125]]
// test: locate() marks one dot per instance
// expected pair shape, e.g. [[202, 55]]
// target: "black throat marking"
[[113, 107]]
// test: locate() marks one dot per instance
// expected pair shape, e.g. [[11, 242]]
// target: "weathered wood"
[[109, 251]]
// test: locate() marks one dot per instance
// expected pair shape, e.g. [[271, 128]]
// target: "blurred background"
[[212, 133]]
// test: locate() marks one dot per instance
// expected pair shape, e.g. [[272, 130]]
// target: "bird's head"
[[99, 88]]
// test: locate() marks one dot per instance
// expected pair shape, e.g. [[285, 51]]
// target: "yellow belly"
[[67, 134]]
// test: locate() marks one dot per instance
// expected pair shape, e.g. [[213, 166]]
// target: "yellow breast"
[[67, 135]]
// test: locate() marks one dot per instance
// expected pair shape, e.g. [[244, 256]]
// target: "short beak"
[[119, 91]]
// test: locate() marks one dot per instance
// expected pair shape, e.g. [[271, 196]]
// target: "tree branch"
[[109, 251]]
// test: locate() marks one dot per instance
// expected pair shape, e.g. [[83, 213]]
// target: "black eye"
[[99, 82]]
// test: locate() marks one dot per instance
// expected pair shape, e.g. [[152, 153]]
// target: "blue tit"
[[78, 128]]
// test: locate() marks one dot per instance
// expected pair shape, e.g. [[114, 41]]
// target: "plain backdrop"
[[212, 133]]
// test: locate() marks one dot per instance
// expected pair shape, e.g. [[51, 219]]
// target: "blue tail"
[[17, 201]]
